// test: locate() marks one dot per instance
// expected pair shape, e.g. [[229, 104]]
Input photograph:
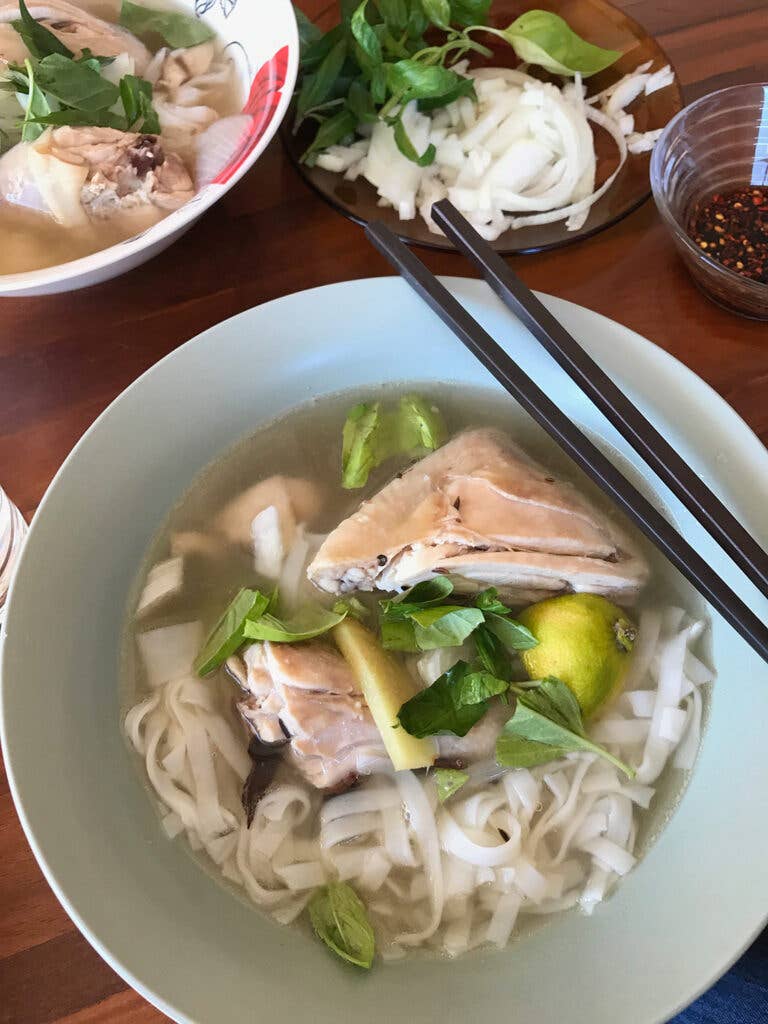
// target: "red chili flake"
[[732, 228]]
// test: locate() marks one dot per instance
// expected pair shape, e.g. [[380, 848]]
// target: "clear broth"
[[307, 442]]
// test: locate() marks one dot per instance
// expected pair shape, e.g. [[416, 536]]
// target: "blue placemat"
[[741, 995]]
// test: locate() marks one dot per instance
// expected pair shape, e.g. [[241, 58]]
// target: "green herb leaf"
[[351, 606], [399, 635], [406, 147], [339, 918], [394, 13], [175, 29], [543, 38], [488, 601], [365, 36], [448, 782], [547, 724], [304, 625], [229, 632], [316, 50], [360, 102], [74, 84], [37, 107], [371, 435], [514, 635], [479, 686], [412, 80], [316, 88], [438, 12], [423, 595], [445, 626], [470, 12], [379, 84], [308, 31], [136, 96], [449, 705], [464, 87], [39, 40], [492, 653], [331, 131], [81, 118]]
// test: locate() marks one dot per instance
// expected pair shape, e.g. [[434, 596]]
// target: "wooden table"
[[64, 358]]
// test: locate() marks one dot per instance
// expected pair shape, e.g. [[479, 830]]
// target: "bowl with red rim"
[[261, 40]]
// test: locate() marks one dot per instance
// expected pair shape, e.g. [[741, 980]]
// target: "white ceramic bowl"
[[188, 944], [262, 38]]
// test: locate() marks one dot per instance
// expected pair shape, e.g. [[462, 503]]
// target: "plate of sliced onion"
[[534, 158]]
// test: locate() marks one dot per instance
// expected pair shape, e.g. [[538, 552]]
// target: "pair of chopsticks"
[[609, 399]]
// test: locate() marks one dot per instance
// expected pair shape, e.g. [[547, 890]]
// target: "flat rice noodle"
[[610, 855], [459, 842], [503, 920], [422, 822]]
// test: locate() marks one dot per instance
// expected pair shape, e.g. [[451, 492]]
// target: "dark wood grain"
[[64, 358]]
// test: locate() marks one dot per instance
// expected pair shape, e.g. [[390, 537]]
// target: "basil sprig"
[[377, 59], [418, 620], [339, 918]]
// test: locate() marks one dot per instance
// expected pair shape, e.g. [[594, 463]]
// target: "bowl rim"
[[177, 220], [757, 289], [658, 357]]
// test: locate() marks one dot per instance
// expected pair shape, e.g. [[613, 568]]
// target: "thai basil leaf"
[[455, 702], [339, 918], [448, 782], [372, 434], [512, 634], [39, 40], [331, 131], [543, 38], [81, 119], [413, 80], [491, 652], [470, 12], [365, 36], [399, 635], [547, 724], [136, 96], [37, 107], [446, 626], [418, 22], [318, 87], [229, 632], [350, 606], [305, 625], [394, 13], [406, 147], [423, 595], [488, 601], [74, 84], [464, 87], [438, 12], [87, 55], [175, 29], [379, 84], [316, 51], [360, 102], [440, 708], [308, 31]]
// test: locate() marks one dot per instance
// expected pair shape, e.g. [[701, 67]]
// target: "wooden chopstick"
[[583, 452], [617, 408]]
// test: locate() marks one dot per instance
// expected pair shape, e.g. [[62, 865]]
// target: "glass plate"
[[594, 20]]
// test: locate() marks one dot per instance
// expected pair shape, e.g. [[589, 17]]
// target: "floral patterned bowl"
[[262, 40]]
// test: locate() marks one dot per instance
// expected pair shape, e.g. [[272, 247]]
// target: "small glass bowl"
[[718, 142]]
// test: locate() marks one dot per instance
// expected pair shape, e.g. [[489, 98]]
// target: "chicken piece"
[[482, 512], [78, 30], [191, 88], [307, 692], [266, 518], [125, 170]]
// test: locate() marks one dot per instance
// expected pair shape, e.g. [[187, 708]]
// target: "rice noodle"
[[452, 877]]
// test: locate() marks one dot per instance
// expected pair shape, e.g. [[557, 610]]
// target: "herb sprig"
[[378, 59]]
